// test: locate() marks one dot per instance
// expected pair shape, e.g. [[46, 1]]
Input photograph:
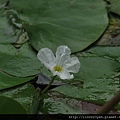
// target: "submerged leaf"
[[49, 105]]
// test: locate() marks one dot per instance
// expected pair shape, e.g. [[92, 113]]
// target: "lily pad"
[[115, 6], [10, 25], [111, 52], [10, 106], [78, 106], [75, 23], [23, 94], [49, 105], [7, 81], [19, 62]]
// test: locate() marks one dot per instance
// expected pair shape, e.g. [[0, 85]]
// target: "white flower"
[[61, 64]]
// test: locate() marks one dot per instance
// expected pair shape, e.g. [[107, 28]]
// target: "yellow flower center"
[[57, 68]]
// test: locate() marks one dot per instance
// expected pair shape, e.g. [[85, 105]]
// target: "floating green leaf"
[[10, 106], [111, 52], [22, 94], [19, 62], [49, 105], [75, 23], [7, 81], [10, 25], [115, 6]]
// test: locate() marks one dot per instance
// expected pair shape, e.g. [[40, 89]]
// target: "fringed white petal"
[[72, 64], [65, 74], [62, 50], [46, 56]]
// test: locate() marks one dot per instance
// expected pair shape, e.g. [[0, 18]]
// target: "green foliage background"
[[90, 29]]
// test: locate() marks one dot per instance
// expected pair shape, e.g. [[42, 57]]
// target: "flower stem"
[[35, 102], [48, 85], [110, 104]]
